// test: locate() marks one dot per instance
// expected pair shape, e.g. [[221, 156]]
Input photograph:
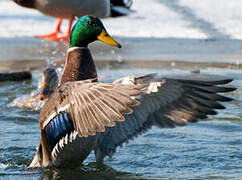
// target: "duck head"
[[26, 3], [89, 29]]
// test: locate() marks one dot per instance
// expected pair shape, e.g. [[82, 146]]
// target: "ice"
[[188, 30], [152, 18], [224, 15]]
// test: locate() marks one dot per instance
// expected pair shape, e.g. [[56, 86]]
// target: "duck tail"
[[122, 3], [120, 7]]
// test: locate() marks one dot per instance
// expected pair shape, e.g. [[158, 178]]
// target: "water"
[[205, 150]]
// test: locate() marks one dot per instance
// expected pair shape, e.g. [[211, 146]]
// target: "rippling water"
[[205, 150]]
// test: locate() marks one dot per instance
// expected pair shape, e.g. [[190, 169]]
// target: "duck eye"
[[90, 23]]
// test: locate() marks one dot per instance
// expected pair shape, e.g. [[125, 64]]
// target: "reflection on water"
[[205, 150], [90, 171]]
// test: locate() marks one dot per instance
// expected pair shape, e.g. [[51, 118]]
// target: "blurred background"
[[163, 30], [164, 36]]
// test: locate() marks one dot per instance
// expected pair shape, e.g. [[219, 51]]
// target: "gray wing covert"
[[167, 103]]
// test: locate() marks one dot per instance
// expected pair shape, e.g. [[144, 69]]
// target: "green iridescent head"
[[89, 29]]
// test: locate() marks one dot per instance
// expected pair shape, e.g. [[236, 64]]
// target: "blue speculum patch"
[[58, 127]]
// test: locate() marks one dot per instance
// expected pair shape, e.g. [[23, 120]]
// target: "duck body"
[[83, 114], [61, 146], [66, 148], [68, 9], [59, 140]]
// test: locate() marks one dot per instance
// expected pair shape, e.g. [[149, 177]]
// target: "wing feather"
[[92, 106], [168, 102], [120, 112], [204, 102], [79, 126], [88, 117], [104, 112], [97, 114]]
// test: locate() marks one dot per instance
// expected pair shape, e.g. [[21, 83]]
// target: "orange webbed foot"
[[68, 33], [65, 37], [51, 36], [54, 36]]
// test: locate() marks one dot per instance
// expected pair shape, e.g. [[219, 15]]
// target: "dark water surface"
[[205, 150]]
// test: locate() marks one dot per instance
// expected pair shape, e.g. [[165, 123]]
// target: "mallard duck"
[[67, 9], [48, 82], [83, 114]]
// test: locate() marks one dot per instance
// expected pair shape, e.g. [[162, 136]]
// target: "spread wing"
[[91, 106], [166, 103]]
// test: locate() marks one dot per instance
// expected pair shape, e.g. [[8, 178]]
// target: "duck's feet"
[[68, 32], [65, 37], [52, 36]]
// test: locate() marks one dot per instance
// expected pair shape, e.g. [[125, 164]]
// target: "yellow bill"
[[106, 38]]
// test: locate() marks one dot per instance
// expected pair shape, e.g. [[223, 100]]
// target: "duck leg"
[[53, 35], [68, 32]]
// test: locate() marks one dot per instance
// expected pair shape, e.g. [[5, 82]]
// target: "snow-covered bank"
[[152, 18]]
